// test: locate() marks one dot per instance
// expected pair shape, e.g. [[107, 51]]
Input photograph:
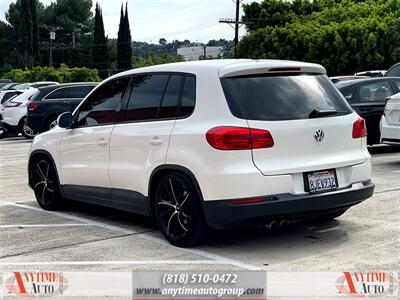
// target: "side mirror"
[[65, 120]]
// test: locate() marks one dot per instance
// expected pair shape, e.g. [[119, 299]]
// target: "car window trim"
[[76, 114]]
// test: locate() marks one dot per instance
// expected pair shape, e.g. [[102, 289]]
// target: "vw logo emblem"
[[319, 135]]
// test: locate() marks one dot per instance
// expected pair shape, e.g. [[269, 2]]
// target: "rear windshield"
[[277, 98]]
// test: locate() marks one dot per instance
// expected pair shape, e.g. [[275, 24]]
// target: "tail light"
[[359, 129], [239, 138], [33, 107], [10, 104], [386, 102]]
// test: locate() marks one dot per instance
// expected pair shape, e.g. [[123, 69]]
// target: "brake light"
[[33, 106], [359, 129], [239, 138], [10, 104], [386, 102]]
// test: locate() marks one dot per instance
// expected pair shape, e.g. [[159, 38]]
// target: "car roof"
[[72, 84], [230, 67]]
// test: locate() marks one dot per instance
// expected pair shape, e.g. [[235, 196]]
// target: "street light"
[[52, 38]]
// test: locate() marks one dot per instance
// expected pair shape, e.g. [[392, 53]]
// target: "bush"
[[64, 74]]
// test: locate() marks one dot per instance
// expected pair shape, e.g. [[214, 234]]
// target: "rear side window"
[[103, 104], [188, 97], [145, 99], [374, 92], [75, 92], [276, 98], [169, 105]]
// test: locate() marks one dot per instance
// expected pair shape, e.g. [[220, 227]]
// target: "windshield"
[[271, 98]]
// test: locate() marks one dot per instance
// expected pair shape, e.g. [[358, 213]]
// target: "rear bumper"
[[224, 214]]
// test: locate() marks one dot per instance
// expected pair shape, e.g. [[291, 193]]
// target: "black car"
[[367, 97], [51, 101]]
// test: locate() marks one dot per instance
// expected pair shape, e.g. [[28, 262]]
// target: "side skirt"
[[125, 200]]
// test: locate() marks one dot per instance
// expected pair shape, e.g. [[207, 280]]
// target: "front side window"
[[103, 105]]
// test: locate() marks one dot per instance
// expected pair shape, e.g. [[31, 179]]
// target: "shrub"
[[63, 74]]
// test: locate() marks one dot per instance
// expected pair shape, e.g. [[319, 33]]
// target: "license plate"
[[321, 181]]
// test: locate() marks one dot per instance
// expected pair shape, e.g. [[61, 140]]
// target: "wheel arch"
[[159, 172], [33, 156]]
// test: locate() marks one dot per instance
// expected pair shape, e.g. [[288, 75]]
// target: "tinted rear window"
[[276, 98]]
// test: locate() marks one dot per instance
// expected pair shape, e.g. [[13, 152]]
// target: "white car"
[[13, 113], [390, 122], [209, 144], [35, 85]]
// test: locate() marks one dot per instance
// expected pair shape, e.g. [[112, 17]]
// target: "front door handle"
[[156, 141]]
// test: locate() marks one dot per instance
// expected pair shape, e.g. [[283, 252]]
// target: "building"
[[197, 52]]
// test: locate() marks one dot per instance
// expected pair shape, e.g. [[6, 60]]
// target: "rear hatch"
[[392, 111], [310, 122]]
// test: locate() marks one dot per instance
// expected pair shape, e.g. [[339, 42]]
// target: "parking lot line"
[[44, 225], [213, 257], [119, 262]]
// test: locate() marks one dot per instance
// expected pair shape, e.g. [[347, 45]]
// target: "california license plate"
[[321, 181]]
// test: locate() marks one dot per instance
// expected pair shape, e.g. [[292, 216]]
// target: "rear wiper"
[[321, 113]]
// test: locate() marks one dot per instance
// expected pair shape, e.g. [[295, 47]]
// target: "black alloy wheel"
[[45, 184], [179, 212]]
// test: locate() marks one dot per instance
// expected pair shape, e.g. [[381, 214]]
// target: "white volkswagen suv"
[[208, 144]]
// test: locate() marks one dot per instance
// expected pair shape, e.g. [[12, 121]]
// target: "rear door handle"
[[156, 141], [102, 142]]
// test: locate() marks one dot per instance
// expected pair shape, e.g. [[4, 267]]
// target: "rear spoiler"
[[259, 69]]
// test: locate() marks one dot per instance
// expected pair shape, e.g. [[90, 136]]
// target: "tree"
[[100, 51], [124, 41], [35, 30], [345, 36], [162, 41]]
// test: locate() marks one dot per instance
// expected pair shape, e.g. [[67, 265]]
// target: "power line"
[[237, 23]]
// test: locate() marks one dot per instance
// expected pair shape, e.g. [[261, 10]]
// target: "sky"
[[196, 20]]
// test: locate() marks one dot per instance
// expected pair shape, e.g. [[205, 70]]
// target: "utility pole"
[[237, 24], [205, 51]]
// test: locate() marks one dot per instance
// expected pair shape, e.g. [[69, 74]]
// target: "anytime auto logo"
[[367, 284], [36, 284]]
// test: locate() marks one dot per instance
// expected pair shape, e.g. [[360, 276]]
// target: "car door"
[[140, 143], [369, 103], [85, 155]]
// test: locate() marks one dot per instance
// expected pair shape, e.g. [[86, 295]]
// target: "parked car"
[[5, 81], [36, 85], [13, 113], [367, 97], [394, 71], [209, 144], [390, 122], [8, 94], [374, 73], [51, 101], [337, 79], [9, 86]]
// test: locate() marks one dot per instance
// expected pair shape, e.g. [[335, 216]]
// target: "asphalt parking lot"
[[90, 238]]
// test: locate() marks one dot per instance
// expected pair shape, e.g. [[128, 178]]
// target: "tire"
[[51, 122], [327, 217], [26, 131], [178, 211], [45, 184]]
